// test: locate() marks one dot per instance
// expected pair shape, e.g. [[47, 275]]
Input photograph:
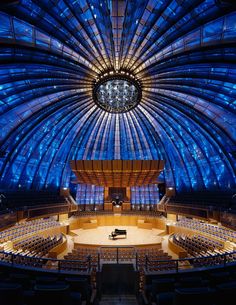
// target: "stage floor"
[[100, 236]]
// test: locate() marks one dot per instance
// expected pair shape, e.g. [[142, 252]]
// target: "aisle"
[[118, 300]]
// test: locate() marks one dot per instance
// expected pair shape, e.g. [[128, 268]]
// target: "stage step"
[[118, 300]]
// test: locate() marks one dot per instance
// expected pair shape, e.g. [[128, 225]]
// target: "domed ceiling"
[[181, 52]]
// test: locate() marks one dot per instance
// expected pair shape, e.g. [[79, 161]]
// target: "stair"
[[126, 299]]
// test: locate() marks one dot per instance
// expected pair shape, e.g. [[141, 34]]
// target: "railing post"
[[117, 255], [59, 265], [89, 262], [177, 266], [98, 261], [12, 258], [146, 262]]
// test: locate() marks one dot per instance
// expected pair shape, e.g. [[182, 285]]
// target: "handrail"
[[174, 264], [42, 261], [132, 212], [117, 252], [191, 260], [101, 247]]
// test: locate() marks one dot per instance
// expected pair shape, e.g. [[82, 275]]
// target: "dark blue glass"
[[183, 54]]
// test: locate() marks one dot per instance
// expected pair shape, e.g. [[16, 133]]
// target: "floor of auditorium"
[[135, 237]]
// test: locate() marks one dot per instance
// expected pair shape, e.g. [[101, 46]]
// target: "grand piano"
[[117, 232]]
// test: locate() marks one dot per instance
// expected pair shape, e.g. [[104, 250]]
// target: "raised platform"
[[100, 236]]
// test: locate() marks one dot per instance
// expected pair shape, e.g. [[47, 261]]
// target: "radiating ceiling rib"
[[183, 52]]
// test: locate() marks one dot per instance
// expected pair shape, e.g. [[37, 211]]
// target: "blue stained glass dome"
[[183, 53]]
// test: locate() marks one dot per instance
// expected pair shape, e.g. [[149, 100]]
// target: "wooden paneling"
[[177, 249], [144, 224], [119, 220], [117, 173], [89, 225], [108, 206], [53, 253], [126, 206]]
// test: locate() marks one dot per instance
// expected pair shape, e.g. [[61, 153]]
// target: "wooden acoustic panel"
[[117, 173]]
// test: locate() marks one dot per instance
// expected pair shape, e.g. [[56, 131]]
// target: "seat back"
[[226, 292], [79, 285], [11, 294], [194, 296], [51, 294]]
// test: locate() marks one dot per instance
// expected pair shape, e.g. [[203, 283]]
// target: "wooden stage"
[[100, 236]]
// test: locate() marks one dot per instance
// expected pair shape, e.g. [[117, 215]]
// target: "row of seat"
[[221, 233], [37, 245], [151, 252], [213, 261], [26, 289], [157, 260], [28, 260], [197, 245], [25, 228], [132, 254], [123, 254], [205, 288], [82, 254]]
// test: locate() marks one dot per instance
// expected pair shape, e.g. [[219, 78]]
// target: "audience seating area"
[[210, 229], [38, 246], [20, 288], [117, 254], [75, 265], [197, 245], [209, 287], [28, 260], [27, 242], [121, 254], [26, 228], [88, 258], [155, 256], [31, 241], [85, 256], [82, 253], [102, 255]]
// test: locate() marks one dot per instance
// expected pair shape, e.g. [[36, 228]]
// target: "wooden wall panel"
[[117, 173], [119, 220]]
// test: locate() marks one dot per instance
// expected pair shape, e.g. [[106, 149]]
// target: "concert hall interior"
[[117, 152]]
